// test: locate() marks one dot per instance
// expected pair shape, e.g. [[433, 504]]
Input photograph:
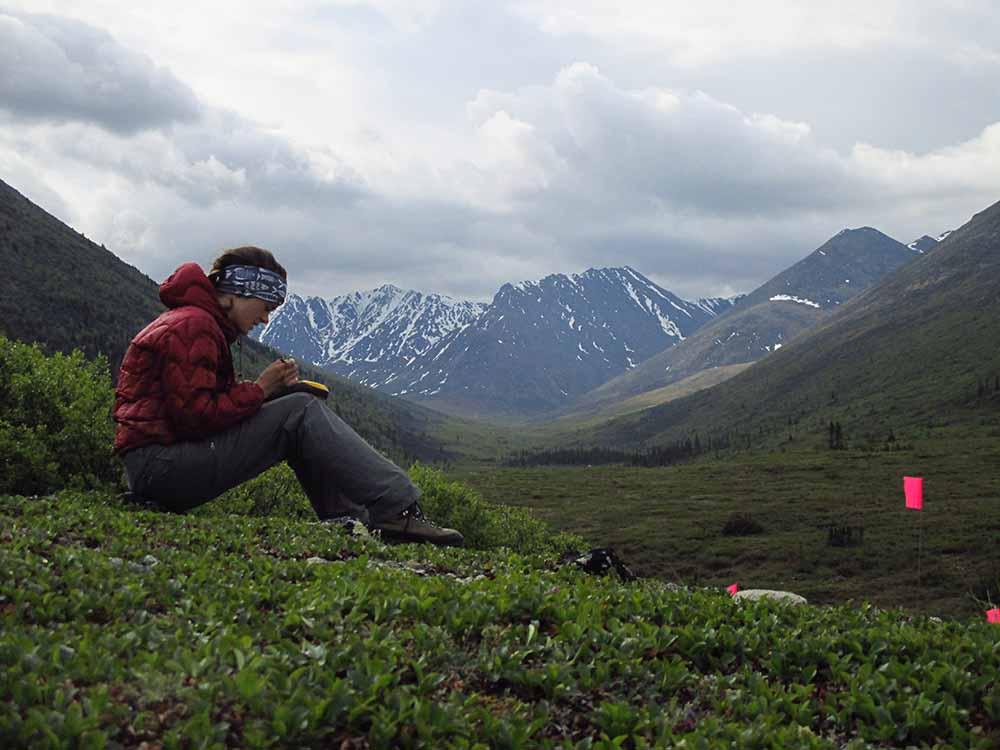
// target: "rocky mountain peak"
[[535, 346]]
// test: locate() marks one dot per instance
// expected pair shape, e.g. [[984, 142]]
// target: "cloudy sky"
[[453, 146]]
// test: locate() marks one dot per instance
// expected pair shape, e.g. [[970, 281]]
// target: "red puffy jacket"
[[177, 382]]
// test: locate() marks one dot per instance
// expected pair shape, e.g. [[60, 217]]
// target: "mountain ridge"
[[908, 350], [535, 345], [766, 319], [343, 333]]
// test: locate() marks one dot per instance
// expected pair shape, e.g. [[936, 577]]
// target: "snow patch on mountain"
[[923, 244], [790, 298], [535, 345], [389, 326]]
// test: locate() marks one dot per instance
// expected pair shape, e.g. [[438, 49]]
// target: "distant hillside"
[[60, 289], [923, 244], [913, 351], [766, 319], [600, 413]]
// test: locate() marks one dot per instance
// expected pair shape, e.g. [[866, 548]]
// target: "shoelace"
[[415, 512]]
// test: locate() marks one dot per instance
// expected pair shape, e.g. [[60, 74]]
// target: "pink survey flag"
[[993, 615], [914, 489], [733, 589]]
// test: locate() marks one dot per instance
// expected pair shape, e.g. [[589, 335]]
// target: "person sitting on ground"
[[187, 431]]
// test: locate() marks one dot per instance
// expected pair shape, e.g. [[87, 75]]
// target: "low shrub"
[[276, 492], [985, 588], [485, 525], [845, 536], [132, 630], [55, 421], [741, 524]]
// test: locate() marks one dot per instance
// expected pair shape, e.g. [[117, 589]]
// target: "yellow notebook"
[[303, 386]]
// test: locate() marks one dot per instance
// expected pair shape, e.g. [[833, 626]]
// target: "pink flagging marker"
[[913, 487], [993, 615], [733, 589]]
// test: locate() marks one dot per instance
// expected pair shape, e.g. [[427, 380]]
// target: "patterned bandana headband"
[[251, 281]]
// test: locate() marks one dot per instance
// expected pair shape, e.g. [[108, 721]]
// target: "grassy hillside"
[[135, 630], [907, 354], [730, 340]]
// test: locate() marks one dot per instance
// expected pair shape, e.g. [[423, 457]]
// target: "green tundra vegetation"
[[247, 624], [54, 426], [671, 522], [125, 628]]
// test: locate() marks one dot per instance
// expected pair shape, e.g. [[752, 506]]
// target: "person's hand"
[[278, 375]]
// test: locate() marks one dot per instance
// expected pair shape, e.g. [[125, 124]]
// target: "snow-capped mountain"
[[923, 244], [540, 344], [366, 336], [534, 347], [770, 316], [842, 267]]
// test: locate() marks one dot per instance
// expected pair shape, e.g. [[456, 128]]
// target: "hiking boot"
[[412, 526]]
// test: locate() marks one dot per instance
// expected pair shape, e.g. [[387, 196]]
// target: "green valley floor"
[[669, 522]]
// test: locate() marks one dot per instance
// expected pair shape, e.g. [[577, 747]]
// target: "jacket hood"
[[189, 285]]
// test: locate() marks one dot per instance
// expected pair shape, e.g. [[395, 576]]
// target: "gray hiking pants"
[[340, 472]]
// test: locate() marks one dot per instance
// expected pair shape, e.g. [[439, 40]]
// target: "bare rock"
[[754, 595]]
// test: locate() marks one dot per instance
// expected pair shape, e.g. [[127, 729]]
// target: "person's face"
[[246, 312]]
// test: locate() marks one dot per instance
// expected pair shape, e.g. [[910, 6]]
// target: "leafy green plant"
[[485, 525], [277, 493], [55, 425], [122, 628]]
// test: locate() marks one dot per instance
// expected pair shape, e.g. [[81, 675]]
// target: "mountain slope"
[[923, 244], [368, 337], [909, 351], [539, 344], [61, 290], [535, 346], [769, 317]]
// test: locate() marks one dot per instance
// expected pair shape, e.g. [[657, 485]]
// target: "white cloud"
[[60, 70], [695, 34], [574, 168]]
